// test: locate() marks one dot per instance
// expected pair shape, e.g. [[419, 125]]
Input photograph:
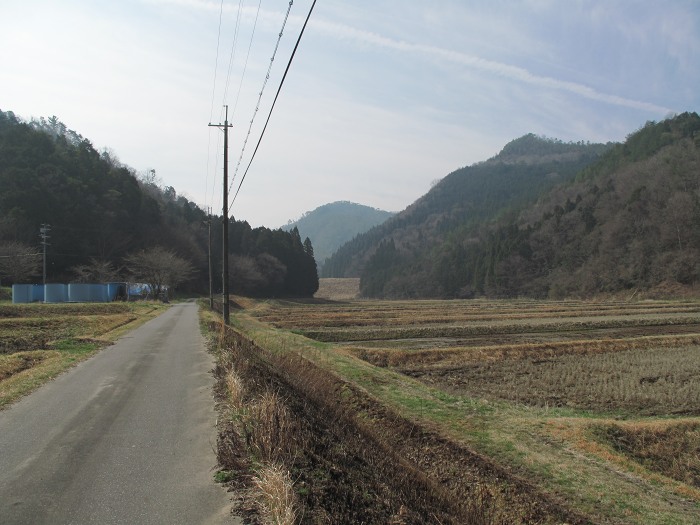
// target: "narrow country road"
[[126, 437]]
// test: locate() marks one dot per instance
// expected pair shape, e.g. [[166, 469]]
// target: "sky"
[[383, 97]]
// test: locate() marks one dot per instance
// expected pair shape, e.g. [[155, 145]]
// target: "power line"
[[273, 102], [211, 111], [216, 61], [245, 66], [225, 91], [257, 106], [240, 86], [233, 49]]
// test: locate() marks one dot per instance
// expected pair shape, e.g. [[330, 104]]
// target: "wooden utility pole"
[[225, 294], [211, 286]]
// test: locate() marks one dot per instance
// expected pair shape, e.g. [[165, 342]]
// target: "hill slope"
[[332, 225], [521, 224], [628, 222], [395, 259]]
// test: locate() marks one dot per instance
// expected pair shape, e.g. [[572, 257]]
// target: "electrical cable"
[[273, 102], [245, 66], [257, 106], [216, 61], [226, 84], [233, 50], [211, 111]]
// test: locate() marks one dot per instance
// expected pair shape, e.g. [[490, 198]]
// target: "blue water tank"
[[27, 293], [79, 292], [98, 293], [37, 293], [55, 293], [21, 293]]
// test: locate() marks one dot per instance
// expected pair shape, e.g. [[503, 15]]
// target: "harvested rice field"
[[591, 408]]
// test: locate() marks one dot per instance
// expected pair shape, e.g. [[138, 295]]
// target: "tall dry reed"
[[277, 500]]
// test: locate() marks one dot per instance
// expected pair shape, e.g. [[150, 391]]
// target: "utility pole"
[[211, 290], [44, 234], [225, 125]]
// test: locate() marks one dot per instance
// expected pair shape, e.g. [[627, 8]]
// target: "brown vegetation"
[[672, 449], [338, 289], [497, 433], [648, 381], [20, 361], [355, 460]]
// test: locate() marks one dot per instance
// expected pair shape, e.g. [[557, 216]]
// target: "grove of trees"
[[104, 215]]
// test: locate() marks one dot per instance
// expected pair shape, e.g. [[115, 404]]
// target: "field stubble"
[[531, 363]]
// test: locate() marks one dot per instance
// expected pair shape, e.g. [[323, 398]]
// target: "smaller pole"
[[44, 234], [211, 287]]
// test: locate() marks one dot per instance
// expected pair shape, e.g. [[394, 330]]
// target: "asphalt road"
[[126, 437]]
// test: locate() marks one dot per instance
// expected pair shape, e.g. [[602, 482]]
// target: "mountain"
[[101, 211], [396, 258], [547, 219], [332, 225], [628, 222]]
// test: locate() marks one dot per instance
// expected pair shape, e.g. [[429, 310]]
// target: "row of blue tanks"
[[78, 292]]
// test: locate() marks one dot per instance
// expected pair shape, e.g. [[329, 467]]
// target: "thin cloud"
[[497, 68], [342, 31]]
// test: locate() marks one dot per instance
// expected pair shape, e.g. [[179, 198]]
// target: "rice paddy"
[[549, 389]]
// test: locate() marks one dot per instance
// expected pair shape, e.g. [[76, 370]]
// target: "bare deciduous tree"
[[19, 262], [161, 269], [96, 271]]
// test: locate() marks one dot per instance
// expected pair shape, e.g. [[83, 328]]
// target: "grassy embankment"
[[39, 341], [590, 407]]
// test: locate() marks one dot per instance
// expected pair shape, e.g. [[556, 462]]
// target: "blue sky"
[[383, 98]]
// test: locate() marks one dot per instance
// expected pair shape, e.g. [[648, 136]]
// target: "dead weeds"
[[633, 359], [671, 449]]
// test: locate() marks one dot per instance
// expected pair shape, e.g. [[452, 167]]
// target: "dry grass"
[[336, 289], [497, 328], [385, 314], [670, 449], [52, 310], [258, 428], [269, 430], [278, 502], [22, 334], [645, 381], [491, 372], [20, 361], [236, 390]]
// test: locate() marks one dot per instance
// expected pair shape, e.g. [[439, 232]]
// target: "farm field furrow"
[[596, 403], [496, 328], [348, 318]]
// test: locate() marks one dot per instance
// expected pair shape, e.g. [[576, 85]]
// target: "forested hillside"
[[539, 221], [100, 212], [396, 259], [332, 225], [628, 222]]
